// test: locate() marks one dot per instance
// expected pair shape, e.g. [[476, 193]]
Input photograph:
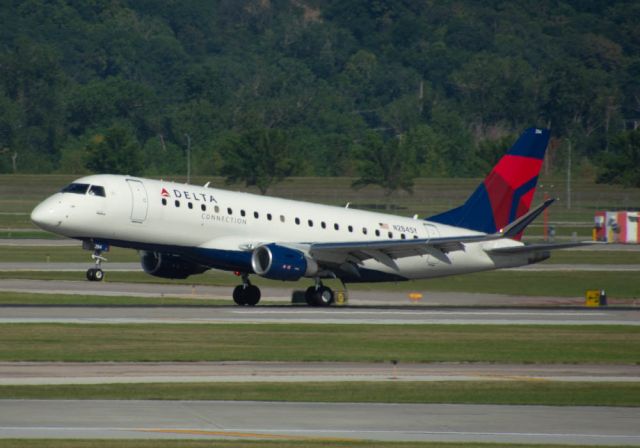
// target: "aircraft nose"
[[46, 215]]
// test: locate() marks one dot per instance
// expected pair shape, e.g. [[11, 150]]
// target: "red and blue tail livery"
[[506, 193]]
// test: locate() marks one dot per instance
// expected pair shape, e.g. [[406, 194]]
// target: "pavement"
[[47, 373], [109, 419], [283, 295], [335, 315]]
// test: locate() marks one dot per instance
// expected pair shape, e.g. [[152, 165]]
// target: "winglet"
[[517, 227]]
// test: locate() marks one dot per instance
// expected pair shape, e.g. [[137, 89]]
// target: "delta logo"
[[190, 195]]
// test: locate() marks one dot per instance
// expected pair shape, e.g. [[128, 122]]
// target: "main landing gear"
[[246, 294], [95, 274], [319, 295]]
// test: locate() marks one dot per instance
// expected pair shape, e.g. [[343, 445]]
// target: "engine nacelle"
[[167, 265], [282, 263]]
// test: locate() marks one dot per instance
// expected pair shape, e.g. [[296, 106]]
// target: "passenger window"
[[229, 211], [203, 207], [190, 205], [336, 226], [269, 216], [281, 218], [350, 228], [310, 223], [390, 235], [256, 215], [415, 237], [216, 209], [242, 213], [298, 221], [323, 225], [403, 236], [177, 203], [164, 201], [97, 190], [364, 230], [377, 232]]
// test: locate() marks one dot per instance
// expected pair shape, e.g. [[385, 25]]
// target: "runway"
[[282, 295], [48, 373], [286, 314], [275, 420]]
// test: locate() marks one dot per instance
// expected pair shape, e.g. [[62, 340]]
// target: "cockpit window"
[[75, 188], [96, 190]]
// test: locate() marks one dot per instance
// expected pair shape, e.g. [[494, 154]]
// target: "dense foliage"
[[445, 78]]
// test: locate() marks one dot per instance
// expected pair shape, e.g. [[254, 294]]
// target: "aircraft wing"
[[387, 251]]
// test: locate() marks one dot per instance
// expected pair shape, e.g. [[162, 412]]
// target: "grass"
[[32, 299], [320, 342], [298, 443], [618, 285], [62, 254], [548, 393]]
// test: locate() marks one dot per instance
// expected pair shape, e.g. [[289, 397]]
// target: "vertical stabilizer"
[[506, 193]]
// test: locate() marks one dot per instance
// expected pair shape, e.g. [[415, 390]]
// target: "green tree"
[[620, 165], [116, 151], [390, 164], [259, 158]]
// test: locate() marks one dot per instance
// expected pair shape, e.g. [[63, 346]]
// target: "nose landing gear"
[[95, 274]]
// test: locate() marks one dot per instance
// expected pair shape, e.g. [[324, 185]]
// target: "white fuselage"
[[179, 218]]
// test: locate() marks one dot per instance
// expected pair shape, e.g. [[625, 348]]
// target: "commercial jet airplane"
[[183, 229]]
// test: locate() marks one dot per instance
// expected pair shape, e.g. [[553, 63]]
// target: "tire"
[[309, 296], [239, 295], [324, 296], [98, 275], [251, 295], [91, 275]]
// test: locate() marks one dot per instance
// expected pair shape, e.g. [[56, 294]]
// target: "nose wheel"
[[95, 274]]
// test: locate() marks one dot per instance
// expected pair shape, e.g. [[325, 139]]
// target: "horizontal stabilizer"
[[517, 227]]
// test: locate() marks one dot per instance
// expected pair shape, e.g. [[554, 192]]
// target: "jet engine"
[[165, 265], [282, 263]]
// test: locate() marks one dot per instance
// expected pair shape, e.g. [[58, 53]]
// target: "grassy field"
[[320, 342], [619, 285], [548, 393], [297, 443], [31, 299], [20, 193]]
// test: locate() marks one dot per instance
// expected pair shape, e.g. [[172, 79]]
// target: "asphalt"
[[304, 314], [47, 373], [283, 295], [275, 420]]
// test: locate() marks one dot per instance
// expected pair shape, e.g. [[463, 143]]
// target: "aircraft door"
[[139, 201]]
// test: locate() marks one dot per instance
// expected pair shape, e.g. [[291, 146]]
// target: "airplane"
[[182, 229]]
